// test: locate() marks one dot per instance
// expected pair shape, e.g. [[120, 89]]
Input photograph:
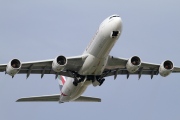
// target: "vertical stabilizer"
[[61, 81]]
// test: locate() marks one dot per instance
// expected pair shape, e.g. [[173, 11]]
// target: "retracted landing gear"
[[78, 80], [98, 81], [101, 81], [75, 82]]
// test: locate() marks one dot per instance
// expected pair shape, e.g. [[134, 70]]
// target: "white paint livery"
[[59, 63], [13, 67], [133, 64], [89, 68], [70, 92], [166, 68]]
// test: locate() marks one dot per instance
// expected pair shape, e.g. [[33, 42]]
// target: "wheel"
[[75, 83], [101, 81]]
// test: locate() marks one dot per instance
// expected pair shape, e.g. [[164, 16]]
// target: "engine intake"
[[166, 68], [133, 64], [59, 63], [15, 63], [13, 67], [168, 65]]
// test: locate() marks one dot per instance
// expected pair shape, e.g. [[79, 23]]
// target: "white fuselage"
[[97, 56]]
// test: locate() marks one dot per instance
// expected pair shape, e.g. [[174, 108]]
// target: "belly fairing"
[[71, 92], [93, 66]]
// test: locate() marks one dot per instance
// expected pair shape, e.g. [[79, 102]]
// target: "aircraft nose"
[[117, 24]]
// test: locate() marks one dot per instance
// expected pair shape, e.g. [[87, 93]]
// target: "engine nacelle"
[[13, 67], [166, 68], [59, 63], [133, 64]]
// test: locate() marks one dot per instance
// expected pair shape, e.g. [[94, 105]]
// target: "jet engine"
[[133, 64], [166, 68], [59, 63], [13, 67]]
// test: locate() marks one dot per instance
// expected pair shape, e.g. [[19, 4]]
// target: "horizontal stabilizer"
[[87, 99], [55, 98], [44, 98]]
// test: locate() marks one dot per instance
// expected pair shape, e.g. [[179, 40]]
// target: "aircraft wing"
[[45, 67], [55, 98], [117, 66]]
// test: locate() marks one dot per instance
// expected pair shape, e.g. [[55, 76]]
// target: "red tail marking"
[[63, 94], [63, 80]]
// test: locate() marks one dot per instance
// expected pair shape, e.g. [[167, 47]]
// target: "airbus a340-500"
[[89, 68]]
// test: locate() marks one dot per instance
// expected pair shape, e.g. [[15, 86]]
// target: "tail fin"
[[61, 81]]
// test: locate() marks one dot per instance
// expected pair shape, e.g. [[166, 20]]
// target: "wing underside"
[[45, 67], [115, 66]]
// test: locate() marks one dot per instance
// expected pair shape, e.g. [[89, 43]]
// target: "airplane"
[[77, 73]]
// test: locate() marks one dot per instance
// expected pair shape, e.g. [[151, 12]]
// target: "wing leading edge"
[[45, 67]]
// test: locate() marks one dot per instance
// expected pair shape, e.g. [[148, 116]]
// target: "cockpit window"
[[113, 16]]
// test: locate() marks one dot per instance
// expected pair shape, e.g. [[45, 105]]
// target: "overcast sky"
[[43, 29]]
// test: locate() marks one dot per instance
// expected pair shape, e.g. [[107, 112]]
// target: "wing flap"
[[125, 72]]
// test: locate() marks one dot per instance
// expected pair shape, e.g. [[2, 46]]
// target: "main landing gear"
[[78, 80], [101, 81], [98, 81]]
